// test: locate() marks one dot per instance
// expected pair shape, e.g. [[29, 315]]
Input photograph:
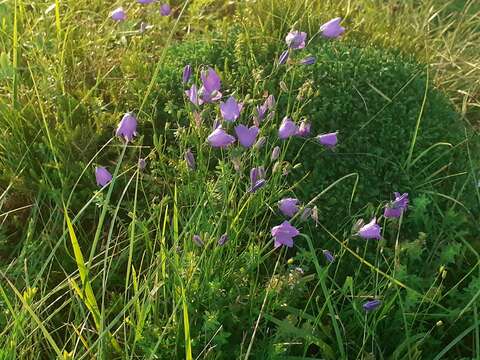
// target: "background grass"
[[126, 281]]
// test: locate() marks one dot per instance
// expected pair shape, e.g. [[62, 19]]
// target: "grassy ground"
[[113, 272]]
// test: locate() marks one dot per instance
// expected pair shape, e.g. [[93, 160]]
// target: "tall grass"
[[144, 290]]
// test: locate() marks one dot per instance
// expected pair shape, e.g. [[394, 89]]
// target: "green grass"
[[113, 273]]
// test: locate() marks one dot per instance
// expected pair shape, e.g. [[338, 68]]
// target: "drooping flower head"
[[223, 240], [187, 73], [395, 208], [211, 82], [282, 59], [260, 183], [197, 240], [142, 164], [328, 256], [328, 140], [165, 10], [288, 206], [192, 95], [284, 234], [287, 128], [127, 128], [219, 138], [230, 109], [296, 39], [371, 305], [304, 129], [102, 176], [309, 60], [332, 29], [246, 136], [371, 230], [118, 14], [190, 159]]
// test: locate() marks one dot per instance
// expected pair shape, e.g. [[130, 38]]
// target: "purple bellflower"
[[287, 128], [284, 234], [328, 256], [246, 136], [396, 207], [371, 230], [219, 138], [296, 39], [127, 128], [211, 82], [192, 95], [118, 14], [102, 176], [309, 60], [328, 140], [187, 73], [288, 206], [230, 109], [165, 10], [332, 29], [371, 305], [304, 128]]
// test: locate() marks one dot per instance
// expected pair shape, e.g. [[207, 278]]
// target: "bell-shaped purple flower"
[[304, 129], [275, 153], [328, 140], [328, 256], [102, 176], [187, 73], [246, 136], [395, 208], [296, 39], [211, 82], [190, 159], [371, 230], [284, 234], [118, 14], [193, 96], [332, 29], [219, 138], [223, 240], [309, 60], [287, 128], [127, 128], [230, 109], [282, 59], [371, 305], [165, 10], [197, 240], [288, 206]]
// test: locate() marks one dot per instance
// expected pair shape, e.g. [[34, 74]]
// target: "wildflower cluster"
[[208, 91]]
